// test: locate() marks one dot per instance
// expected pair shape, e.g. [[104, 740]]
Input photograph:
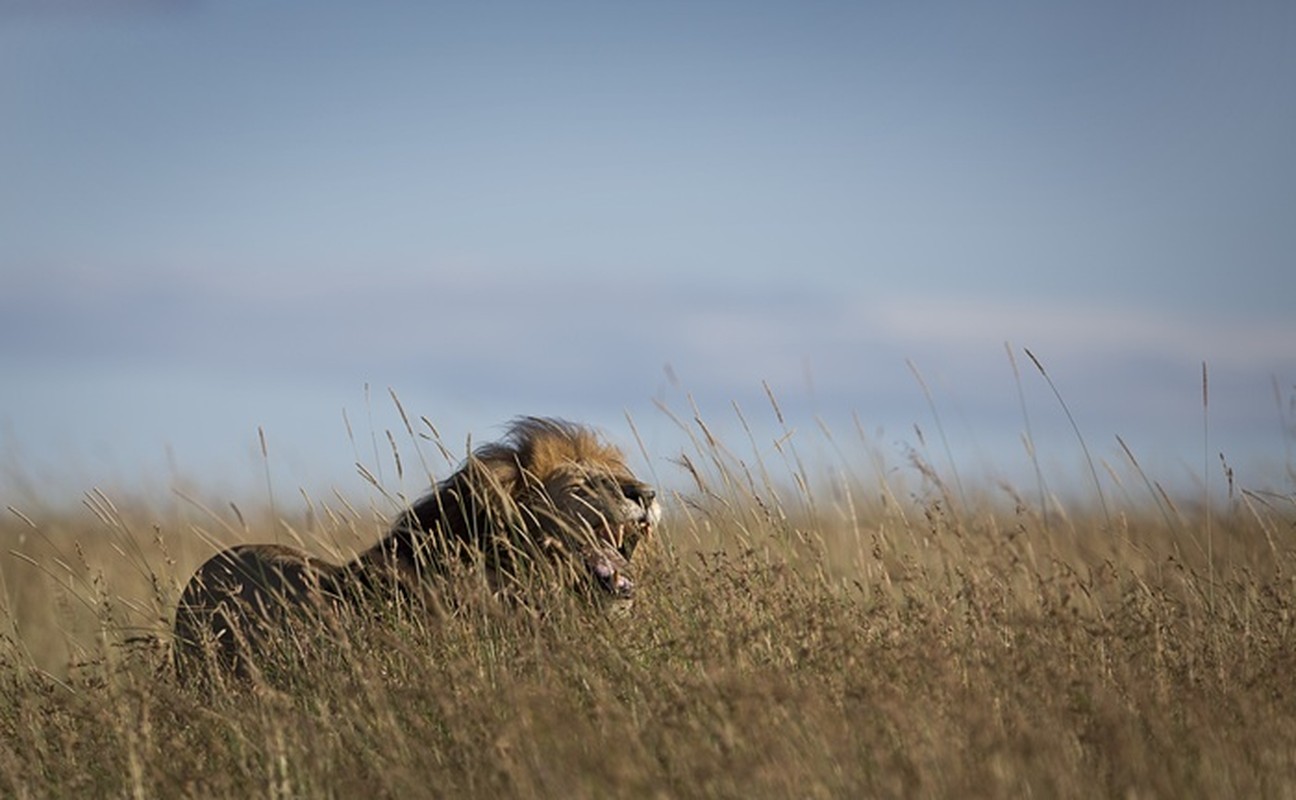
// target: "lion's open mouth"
[[610, 571]]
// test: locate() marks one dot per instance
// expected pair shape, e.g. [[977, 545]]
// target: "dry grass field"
[[795, 635]]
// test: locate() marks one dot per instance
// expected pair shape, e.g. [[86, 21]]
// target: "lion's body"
[[552, 493], [241, 597]]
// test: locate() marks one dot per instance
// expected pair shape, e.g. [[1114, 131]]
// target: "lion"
[[551, 499]]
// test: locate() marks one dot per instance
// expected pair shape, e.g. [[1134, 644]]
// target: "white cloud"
[[1080, 331]]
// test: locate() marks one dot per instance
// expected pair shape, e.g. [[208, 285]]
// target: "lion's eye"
[[604, 484], [640, 493]]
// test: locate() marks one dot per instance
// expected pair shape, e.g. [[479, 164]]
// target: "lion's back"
[[238, 598]]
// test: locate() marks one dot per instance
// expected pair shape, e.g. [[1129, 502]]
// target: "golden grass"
[[794, 636]]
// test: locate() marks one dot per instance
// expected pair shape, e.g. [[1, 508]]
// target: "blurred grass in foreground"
[[895, 634]]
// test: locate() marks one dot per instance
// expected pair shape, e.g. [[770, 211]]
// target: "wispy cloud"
[[1088, 331], [492, 320]]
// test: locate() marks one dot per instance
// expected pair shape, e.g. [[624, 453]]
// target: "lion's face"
[[597, 513]]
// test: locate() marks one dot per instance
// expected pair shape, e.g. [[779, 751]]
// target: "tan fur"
[[551, 494]]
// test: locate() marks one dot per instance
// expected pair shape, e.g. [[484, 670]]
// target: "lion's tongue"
[[611, 571]]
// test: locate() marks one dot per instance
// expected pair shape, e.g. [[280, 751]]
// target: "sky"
[[223, 221]]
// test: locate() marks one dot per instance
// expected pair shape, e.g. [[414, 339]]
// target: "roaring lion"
[[550, 499]]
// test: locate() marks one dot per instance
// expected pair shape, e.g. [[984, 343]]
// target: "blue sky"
[[216, 217]]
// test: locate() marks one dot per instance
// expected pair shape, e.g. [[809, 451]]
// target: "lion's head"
[[550, 493]]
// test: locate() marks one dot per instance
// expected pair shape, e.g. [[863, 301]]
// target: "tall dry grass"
[[798, 633]]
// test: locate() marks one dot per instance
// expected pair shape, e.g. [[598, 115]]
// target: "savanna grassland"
[[795, 635]]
